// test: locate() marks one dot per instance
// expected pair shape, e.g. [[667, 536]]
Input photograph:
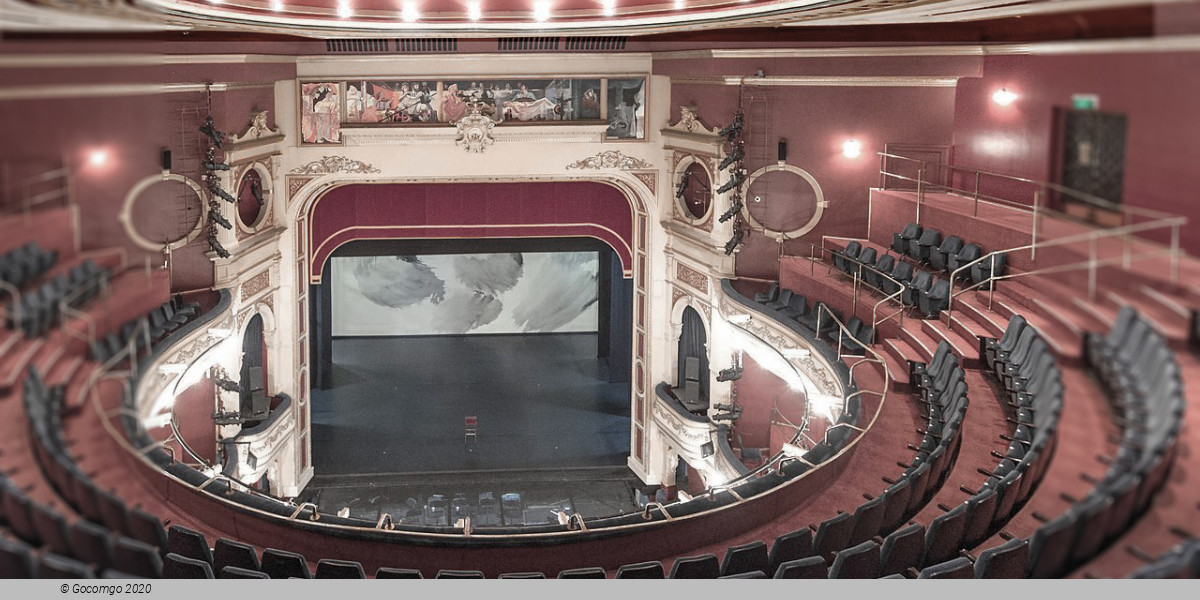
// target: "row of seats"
[[1180, 562], [949, 254], [38, 310], [915, 288], [1142, 381], [23, 264], [144, 331], [790, 305]]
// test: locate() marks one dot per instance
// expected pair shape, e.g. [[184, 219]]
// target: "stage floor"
[[391, 427]]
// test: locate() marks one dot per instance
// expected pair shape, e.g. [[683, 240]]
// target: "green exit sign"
[[1085, 101]]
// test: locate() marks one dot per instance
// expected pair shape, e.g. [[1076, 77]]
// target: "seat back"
[[956, 568], [181, 567], [279, 564], [705, 566], [745, 558], [813, 567], [643, 570], [1006, 561], [391, 573], [91, 544], [944, 538], [55, 566], [833, 534], [134, 557], [583, 573], [856, 562], [188, 543], [868, 518], [228, 553], [459, 574], [902, 549], [232, 572], [339, 569], [790, 546], [16, 560]]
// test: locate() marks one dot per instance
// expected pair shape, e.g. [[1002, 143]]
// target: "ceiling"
[[512, 18]]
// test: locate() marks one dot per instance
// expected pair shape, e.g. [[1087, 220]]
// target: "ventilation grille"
[[528, 44], [356, 45], [427, 45], [611, 42]]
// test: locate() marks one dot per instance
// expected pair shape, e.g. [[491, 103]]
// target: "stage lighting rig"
[[227, 418], [738, 238], [733, 129], [214, 186], [216, 245], [256, 191], [210, 130], [734, 209], [216, 217], [736, 155], [736, 180], [683, 183], [210, 161], [731, 374]]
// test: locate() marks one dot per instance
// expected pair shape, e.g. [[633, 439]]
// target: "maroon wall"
[[470, 210], [42, 133], [759, 392], [815, 121], [1155, 89]]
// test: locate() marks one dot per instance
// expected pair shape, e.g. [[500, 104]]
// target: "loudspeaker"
[[166, 159], [782, 150]]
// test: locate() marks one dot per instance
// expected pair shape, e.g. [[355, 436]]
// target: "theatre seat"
[[228, 553], [790, 546], [16, 560], [54, 566], [280, 564], [1006, 561], [583, 573], [958, 568], [643, 570], [136, 558], [91, 544], [526, 575], [188, 543], [705, 566], [812, 567], [856, 562], [459, 574], [746, 575], [833, 534], [391, 573], [902, 549], [181, 567], [745, 558], [901, 240], [240, 573], [339, 569]]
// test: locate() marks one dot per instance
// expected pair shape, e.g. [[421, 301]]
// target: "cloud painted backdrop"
[[530, 292]]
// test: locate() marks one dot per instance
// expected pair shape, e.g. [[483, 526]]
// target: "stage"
[[550, 425]]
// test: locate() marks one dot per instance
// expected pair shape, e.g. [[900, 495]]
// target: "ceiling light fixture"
[[409, 12], [610, 7], [276, 5], [852, 148], [541, 11], [98, 157], [679, 4], [344, 10], [1003, 97], [474, 11]]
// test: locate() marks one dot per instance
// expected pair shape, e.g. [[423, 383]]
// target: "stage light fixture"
[[734, 241], [1003, 97], [683, 183], [211, 163], [257, 192], [737, 154], [210, 130], [730, 374], [216, 217], [852, 148], [216, 246], [734, 181], [733, 211]]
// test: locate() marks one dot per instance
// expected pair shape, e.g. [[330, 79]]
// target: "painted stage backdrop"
[[327, 107], [447, 294]]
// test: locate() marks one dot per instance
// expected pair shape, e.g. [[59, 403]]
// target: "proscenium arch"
[[638, 196]]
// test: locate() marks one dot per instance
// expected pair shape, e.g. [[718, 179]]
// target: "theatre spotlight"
[[683, 183], [734, 241], [216, 246], [211, 131], [216, 189], [216, 217], [730, 374], [734, 209], [733, 129], [227, 384], [210, 162], [737, 154], [256, 191], [735, 181]]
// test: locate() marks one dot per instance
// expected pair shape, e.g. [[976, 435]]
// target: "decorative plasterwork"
[[692, 277], [295, 184], [255, 285], [689, 122], [816, 371], [475, 131], [611, 159], [258, 130], [649, 178], [696, 434], [334, 164]]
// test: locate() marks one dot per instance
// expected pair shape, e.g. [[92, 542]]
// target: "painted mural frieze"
[[334, 164], [611, 159]]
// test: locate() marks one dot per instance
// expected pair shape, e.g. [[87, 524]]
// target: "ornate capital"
[[334, 164], [611, 159]]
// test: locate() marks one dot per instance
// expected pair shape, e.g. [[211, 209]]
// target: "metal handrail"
[[13, 309]]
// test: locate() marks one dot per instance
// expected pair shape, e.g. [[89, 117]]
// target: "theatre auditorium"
[[666, 289]]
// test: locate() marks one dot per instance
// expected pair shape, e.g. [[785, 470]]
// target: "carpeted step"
[[966, 348]]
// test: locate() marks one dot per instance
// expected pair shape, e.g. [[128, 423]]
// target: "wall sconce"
[[97, 157], [852, 148], [1003, 97]]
